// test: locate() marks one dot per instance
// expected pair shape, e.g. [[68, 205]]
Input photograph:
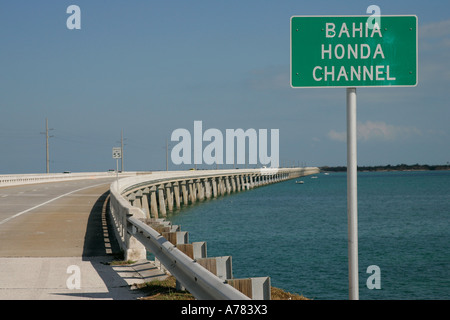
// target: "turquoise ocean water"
[[297, 234]]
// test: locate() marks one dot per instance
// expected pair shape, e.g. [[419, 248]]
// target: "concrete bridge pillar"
[[192, 191], [223, 186], [176, 193], [169, 196], [227, 184], [219, 186], [242, 182], [153, 203], [214, 187], [132, 199], [184, 192], [162, 201], [138, 201], [238, 182], [200, 189], [208, 188], [233, 183], [247, 182], [145, 202]]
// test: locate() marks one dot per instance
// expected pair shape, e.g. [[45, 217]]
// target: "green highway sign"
[[353, 51]]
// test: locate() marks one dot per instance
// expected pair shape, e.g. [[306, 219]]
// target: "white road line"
[[46, 202]]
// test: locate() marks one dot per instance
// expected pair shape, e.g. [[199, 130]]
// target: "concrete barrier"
[[21, 179]]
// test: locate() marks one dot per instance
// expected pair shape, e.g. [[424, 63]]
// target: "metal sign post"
[[349, 52], [352, 195], [117, 154]]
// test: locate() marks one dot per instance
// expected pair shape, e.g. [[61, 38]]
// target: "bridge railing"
[[132, 207]]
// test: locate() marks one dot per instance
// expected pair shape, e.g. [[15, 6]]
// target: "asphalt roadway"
[[56, 243]]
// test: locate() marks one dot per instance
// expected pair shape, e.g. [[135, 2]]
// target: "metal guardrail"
[[201, 283], [135, 235]]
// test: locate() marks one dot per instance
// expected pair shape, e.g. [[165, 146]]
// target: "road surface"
[[55, 243]]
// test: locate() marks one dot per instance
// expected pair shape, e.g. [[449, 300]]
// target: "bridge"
[[57, 227]]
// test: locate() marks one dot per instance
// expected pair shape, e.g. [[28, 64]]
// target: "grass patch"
[[121, 262], [163, 290]]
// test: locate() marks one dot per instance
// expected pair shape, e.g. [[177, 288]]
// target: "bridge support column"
[[191, 191], [222, 186], [233, 183], [176, 193], [138, 200], [227, 184], [153, 203], [208, 188], [184, 191], [252, 181], [145, 202], [169, 196], [162, 201], [214, 186], [200, 189], [259, 180]]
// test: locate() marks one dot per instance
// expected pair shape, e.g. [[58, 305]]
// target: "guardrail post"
[[255, 288], [220, 266], [178, 237], [194, 250]]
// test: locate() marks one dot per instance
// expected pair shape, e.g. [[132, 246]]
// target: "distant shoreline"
[[399, 167]]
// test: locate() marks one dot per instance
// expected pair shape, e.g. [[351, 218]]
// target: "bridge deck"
[[46, 228]]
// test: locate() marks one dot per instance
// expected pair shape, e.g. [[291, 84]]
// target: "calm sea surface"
[[297, 234]]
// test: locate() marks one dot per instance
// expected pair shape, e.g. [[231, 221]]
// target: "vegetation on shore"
[[166, 290], [399, 167]]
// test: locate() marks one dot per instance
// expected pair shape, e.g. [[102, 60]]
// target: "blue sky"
[[150, 67]]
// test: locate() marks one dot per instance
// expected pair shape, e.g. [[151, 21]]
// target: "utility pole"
[[46, 145], [167, 155], [121, 149]]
